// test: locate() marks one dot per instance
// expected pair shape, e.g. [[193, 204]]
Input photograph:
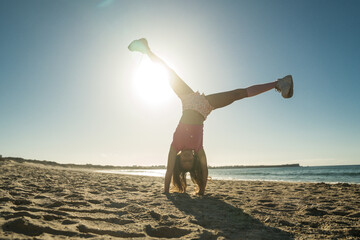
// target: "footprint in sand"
[[22, 202], [23, 226], [340, 212], [51, 217], [21, 208], [270, 205], [93, 201], [60, 194], [77, 203], [267, 203], [5, 199], [355, 215], [155, 204], [116, 205], [109, 189], [229, 198], [68, 222], [155, 215], [13, 193], [76, 196], [286, 223], [130, 189], [119, 234], [55, 204], [354, 232], [40, 197], [94, 192], [20, 214], [166, 232], [315, 212]]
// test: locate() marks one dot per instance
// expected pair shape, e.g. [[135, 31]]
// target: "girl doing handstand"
[[186, 150]]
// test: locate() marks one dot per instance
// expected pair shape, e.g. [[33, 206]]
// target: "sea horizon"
[[283, 172], [48, 162], [315, 174]]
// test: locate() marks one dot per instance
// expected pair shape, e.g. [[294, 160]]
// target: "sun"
[[151, 82]]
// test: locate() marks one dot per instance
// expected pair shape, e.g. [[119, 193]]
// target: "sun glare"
[[151, 82]]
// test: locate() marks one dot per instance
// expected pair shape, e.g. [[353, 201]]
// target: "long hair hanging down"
[[179, 174]]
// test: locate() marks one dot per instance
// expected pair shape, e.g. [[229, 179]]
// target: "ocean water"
[[328, 174]]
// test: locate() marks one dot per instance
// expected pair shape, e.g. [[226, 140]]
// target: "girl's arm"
[[169, 168], [204, 169]]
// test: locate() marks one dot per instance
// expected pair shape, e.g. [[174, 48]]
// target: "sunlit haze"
[[150, 82], [72, 92]]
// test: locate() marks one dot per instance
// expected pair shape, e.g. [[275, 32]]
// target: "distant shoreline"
[[71, 165], [258, 166]]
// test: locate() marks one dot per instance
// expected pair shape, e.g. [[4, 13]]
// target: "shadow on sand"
[[223, 219]]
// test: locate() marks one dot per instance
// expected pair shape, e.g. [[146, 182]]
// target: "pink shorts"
[[188, 136]]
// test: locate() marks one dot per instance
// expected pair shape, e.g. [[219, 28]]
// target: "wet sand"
[[56, 203]]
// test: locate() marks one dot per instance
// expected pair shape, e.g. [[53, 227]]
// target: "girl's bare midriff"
[[192, 117]]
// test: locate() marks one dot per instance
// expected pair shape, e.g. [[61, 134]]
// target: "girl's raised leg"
[[176, 83], [219, 100]]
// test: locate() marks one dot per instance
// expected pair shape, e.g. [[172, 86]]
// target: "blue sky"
[[66, 91]]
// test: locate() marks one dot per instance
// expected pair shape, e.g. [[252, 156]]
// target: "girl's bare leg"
[[176, 83], [219, 100]]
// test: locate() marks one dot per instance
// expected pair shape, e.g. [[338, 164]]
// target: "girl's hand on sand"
[[200, 193]]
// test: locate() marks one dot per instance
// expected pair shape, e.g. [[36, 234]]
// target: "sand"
[[40, 202]]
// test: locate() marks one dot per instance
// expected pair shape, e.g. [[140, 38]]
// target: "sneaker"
[[140, 45], [285, 85]]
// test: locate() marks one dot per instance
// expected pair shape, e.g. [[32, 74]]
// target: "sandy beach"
[[41, 202]]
